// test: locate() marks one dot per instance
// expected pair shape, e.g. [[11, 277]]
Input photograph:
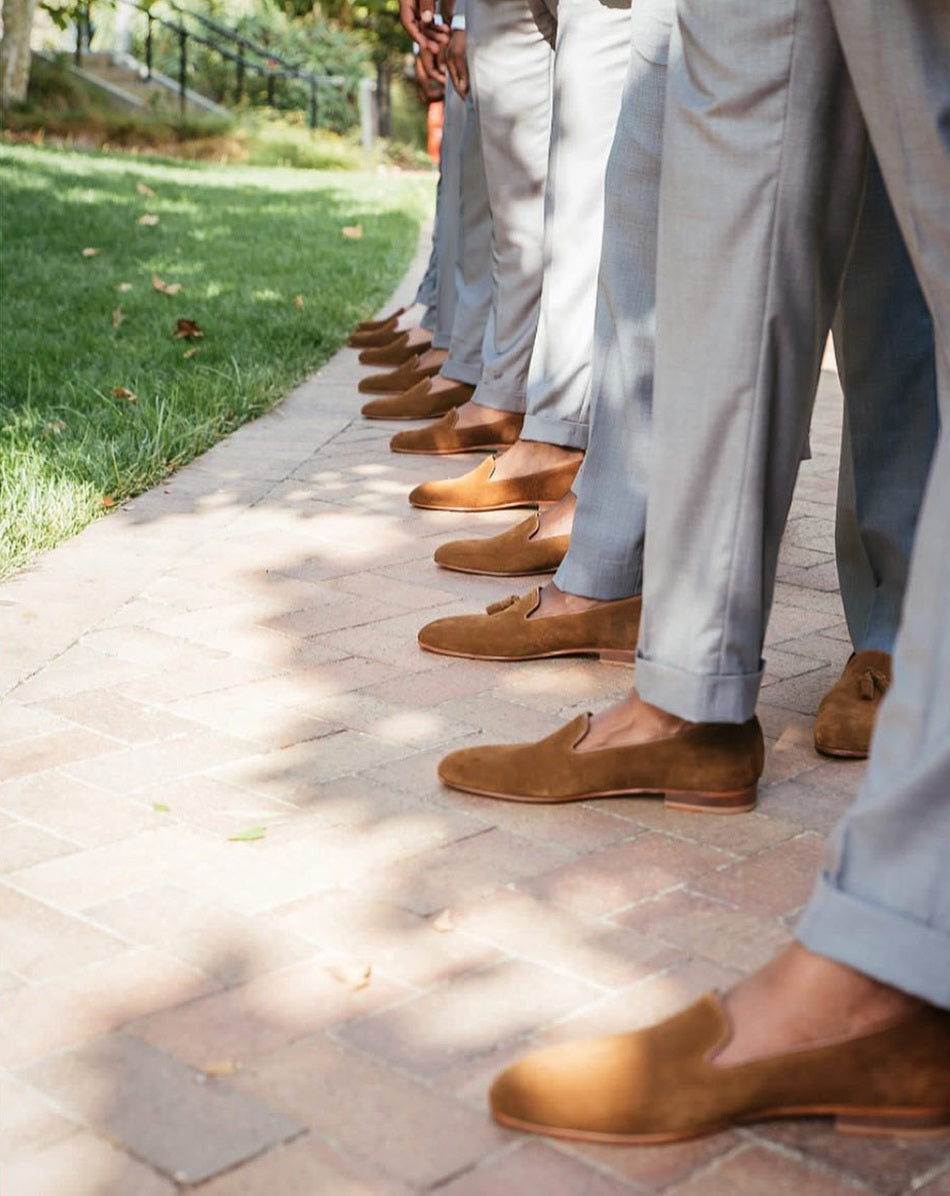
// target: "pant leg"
[[883, 902], [511, 53], [448, 218], [885, 350], [473, 279], [591, 55], [605, 557], [764, 157]]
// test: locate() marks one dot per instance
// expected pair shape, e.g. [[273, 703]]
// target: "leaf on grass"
[[248, 835], [144, 189], [160, 808], [166, 288], [443, 922], [220, 1067], [186, 329], [124, 287], [108, 501], [56, 426], [90, 252], [352, 232], [119, 392], [356, 974], [149, 220], [190, 352], [298, 302], [118, 315]]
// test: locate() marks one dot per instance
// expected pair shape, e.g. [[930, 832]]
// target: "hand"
[[418, 20], [456, 62], [432, 67], [429, 87]]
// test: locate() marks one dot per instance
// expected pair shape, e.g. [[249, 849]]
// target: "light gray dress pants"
[[448, 207], [883, 903]]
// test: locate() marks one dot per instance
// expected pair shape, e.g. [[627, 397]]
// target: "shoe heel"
[[617, 656], [894, 1122], [738, 801]]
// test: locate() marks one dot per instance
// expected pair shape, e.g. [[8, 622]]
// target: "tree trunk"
[[384, 75], [15, 50]]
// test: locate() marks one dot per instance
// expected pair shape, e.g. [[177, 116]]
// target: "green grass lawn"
[[99, 399]]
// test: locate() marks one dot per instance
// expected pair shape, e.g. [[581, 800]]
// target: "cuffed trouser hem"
[[458, 371], [604, 581], [498, 397], [879, 942], [699, 698], [441, 340], [429, 320], [563, 432]]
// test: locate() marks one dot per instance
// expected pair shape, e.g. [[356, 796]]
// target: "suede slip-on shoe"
[[477, 491], [394, 382], [444, 438], [396, 351], [846, 716], [373, 338], [372, 325], [419, 402], [662, 1084], [507, 632], [708, 768], [517, 552]]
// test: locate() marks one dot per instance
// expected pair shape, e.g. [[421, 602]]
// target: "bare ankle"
[[629, 722]]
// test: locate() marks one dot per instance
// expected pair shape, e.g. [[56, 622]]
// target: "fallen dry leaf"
[[220, 1067], [355, 973], [159, 807], [352, 232], [92, 252], [120, 392], [190, 352], [124, 287], [144, 189], [117, 317], [149, 220], [186, 328], [165, 288], [298, 302], [108, 501], [249, 835], [443, 922], [56, 426]]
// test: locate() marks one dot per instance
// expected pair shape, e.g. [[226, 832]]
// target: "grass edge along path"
[[104, 256]]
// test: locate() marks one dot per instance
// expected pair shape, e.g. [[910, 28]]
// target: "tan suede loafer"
[[444, 438], [396, 351], [396, 381], [419, 402], [477, 491], [507, 632], [517, 552], [372, 325], [709, 768], [662, 1084], [847, 713], [373, 338]]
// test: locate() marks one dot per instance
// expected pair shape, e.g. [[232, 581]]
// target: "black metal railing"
[[230, 45]]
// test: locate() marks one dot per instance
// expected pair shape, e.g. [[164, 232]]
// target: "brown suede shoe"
[[395, 352], [394, 382], [506, 632], [373, 338], [846, 716], [476, 491], [419, 402], [372, 325], [708, 768], [444, 438], [514, 553], [662, 1084]]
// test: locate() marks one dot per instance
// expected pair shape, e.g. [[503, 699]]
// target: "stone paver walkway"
[[250, 945]]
